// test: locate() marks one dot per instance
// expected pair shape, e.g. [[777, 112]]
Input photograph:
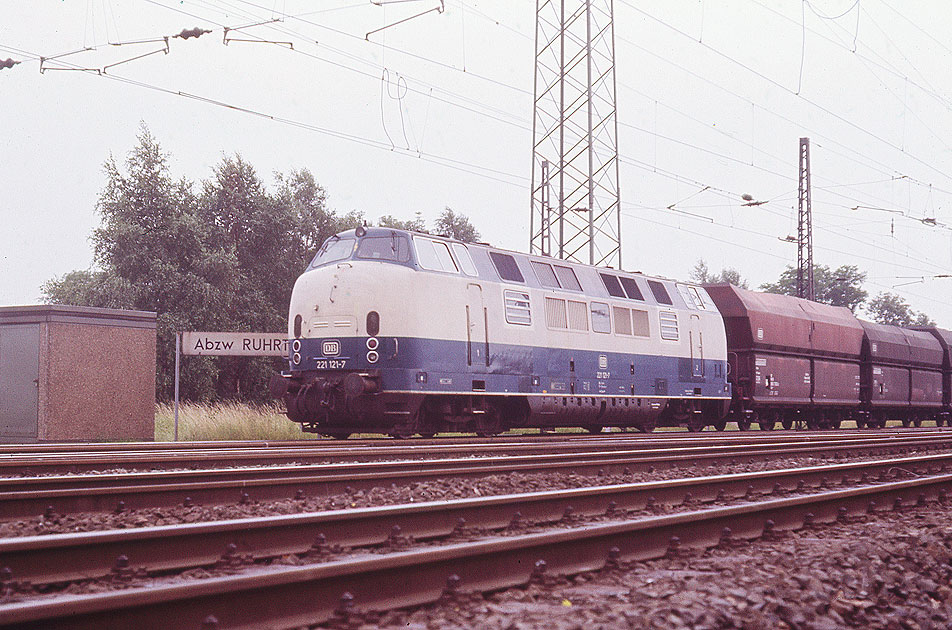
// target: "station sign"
[[235, 344]]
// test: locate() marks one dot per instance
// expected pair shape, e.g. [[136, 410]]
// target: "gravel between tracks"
[[891, 571], [433, 490]]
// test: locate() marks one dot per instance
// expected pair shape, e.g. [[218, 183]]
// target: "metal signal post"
[[575, 131]]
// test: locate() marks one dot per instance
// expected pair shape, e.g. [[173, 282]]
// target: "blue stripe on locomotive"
[[517, 369]]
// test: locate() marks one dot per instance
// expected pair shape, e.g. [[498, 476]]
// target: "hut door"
[[19, 380]]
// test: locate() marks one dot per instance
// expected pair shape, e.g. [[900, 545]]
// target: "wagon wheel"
[[426, 435], [906, 421], [720, 425], [338, 435], [835, 421], [743, 423], [917, 421], [786, 421], [813, 421], [768, 422], [593, 428]]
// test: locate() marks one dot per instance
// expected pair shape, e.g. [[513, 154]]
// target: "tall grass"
[[225, 421]]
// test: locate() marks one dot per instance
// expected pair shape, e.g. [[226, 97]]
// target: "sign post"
[[221, 344]]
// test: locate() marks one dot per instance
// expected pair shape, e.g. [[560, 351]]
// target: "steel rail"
[[76, 556], [280, 597], [30, 497], [55, 459]]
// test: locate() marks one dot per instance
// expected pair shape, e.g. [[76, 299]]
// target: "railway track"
[[282, 596], [23, 497], [46, 459], [69, 557]]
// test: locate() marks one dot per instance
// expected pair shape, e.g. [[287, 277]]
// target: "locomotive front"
[[352, 288]]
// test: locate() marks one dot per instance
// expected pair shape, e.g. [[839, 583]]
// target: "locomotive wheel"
[[488, 424], [338, 435]]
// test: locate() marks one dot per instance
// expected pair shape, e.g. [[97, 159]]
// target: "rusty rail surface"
[[76, 556], [31, 497], [37, 459], [282, 597]]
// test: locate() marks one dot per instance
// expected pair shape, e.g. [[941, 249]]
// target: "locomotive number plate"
[[330, 364]]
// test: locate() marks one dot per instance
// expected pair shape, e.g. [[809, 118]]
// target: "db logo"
[[331, 348]]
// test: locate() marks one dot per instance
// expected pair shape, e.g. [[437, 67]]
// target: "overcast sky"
[[713, 96]]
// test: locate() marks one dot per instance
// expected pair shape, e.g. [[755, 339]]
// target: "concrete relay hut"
[[76, 373]]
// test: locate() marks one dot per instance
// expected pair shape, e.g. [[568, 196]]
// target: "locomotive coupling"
[[357, 384]]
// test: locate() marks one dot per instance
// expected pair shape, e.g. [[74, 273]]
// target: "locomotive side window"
[[601, 320], [622, 321], [659, 292], [567, 278], [434, 255], [517, 308], [555, 313], [639, 320], [578, 315], [631, 288], [393, 247], [506, 266], [544, 273], [669, 325], [465, 260], [612, 286]]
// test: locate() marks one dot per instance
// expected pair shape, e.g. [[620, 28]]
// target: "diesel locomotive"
[[404, 333]]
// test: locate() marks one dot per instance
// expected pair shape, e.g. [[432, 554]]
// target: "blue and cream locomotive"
[[405, 333]]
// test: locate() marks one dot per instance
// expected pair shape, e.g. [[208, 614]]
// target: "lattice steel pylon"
[[805, 286], [576, 199]]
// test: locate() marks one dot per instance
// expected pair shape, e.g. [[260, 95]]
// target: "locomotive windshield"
[[395, 247], [334, 249]]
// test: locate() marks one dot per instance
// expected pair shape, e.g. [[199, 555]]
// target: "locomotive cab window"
[[334, 249], [506, 266], [394, 247]]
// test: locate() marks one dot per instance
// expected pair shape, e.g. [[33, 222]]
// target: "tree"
[[702, 275], [889, 308], [226, 259], [452, 225], [840, 287], [417, 224]]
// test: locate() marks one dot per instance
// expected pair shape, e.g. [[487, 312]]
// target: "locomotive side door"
[[696, 340], [477, 341]]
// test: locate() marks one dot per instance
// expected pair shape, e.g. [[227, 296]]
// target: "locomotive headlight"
[[372, 356], [296, 345], [372, 343], [296, 357]]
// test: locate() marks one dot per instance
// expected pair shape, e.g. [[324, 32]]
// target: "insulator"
[[192, 32], [7, 63]]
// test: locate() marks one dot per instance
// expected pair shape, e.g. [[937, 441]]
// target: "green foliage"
[[840, 287], [456, 226], [702, 275], [449, 224], [889, 308], [222, 259]]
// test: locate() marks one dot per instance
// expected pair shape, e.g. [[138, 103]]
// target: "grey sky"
[[437, 112]]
